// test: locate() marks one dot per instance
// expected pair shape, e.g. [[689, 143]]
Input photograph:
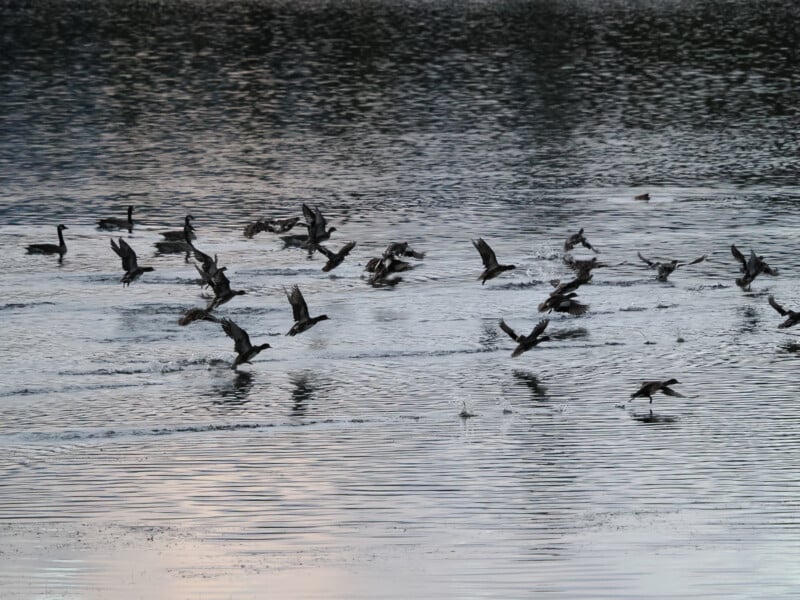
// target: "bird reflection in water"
[[532, 382], [652, 418], [236, 391], [302, 392]]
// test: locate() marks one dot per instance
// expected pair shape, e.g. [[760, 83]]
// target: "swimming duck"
[[792, 317], [651, 387], [241, 343], [565, 303], [644, 197], [666, 268], [578, 238], [180, 236], [60, 249], [129, 262], [491, 267], [751, 267], [113, 223], [335, 258], [172, 246], [300, 312], [525, 343]]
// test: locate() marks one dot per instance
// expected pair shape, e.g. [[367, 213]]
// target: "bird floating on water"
[[491, 267], [182, 234], [113, 223], [60, 248]]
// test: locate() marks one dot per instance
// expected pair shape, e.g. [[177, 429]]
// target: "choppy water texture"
[[134, 463]]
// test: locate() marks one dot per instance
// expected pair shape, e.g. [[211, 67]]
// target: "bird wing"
[[738, 255], [781, 311], [328, 253], [116, 248], [765, 268], [487, 254], [129, 262], [299, 306], [586, 244], [574, 307], [203, 258], [220, 283], [320, 224], [649, 262], [694, 262], [511, 333], [241, 341], [670, 392], [309, 215], [345, 250], [540, 327]]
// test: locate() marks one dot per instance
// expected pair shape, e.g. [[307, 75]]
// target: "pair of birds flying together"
[[244, 348]]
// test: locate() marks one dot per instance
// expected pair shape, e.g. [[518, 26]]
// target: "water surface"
[[136, 463]]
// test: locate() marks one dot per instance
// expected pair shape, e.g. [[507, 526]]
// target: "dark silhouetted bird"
[[792, 317], [300, 312], [241, 343], [60, 248], [526, 342], [491, 267], [113, 223], [129, 262]]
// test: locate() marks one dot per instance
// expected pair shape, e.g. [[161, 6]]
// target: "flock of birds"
[[383, 271]]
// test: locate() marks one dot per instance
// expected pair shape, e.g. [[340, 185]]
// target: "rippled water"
[[136, 463]]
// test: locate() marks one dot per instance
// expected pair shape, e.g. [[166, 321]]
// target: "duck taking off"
[[792, 317], [751, 267], [129, 262], [60, 248], [241, 343], [114, 223], [578, 238], [491, 267], [651, 387], [335, 258], [300, 312], [666, 268], [526, 342]]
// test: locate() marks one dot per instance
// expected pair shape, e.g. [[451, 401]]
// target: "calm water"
[[136, 464]]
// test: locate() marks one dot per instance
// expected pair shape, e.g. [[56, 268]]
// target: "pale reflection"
[[234, 391], [303, 391]]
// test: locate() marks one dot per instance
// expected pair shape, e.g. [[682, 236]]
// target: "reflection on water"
[[338, 460]]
